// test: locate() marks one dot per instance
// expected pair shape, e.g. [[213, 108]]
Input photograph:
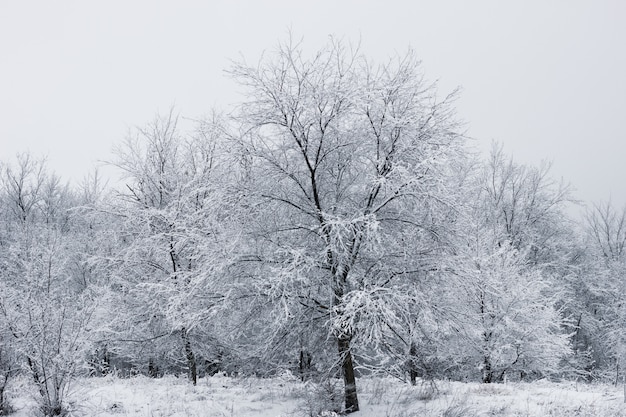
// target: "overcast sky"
[[545, 78]]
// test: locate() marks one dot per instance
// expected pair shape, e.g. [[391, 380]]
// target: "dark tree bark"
[[412, 365], [304, 364], [33, 368], [106, 362], [347, 369], [153, 369]]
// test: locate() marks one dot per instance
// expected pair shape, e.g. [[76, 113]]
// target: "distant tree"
[[508, 321], [172, 218], [607, 228], [602, 287], [22, 185], [504, 312], [529, 237], [525, 206], [419, 340], [46, 315]]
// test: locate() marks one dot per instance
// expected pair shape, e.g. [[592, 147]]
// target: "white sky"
[[546, 78]]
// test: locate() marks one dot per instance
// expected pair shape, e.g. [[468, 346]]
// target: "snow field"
[[223, 396]]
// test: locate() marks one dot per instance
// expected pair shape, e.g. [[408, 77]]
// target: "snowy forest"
[[336, 224]]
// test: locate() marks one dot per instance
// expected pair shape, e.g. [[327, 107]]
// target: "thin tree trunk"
[[350, 394], [33, 368], [153, 369], [304, 364], [412, 364], [487, 372], [2, 387], [106, 362], [191, 358]]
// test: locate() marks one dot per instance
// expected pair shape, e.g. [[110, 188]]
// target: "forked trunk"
[[347, 369]]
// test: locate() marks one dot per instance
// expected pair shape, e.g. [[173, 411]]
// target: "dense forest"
[[335, 224]]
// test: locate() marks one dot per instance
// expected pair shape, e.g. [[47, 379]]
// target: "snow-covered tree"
[[508, 323], [525, 206], [45, 314], [172, 218], [341, 152], [601, 287], [510, 251]]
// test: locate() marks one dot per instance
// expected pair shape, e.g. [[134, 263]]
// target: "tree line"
[[335, 224]]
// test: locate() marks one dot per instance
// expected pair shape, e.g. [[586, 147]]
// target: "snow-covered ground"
[[223, 396]]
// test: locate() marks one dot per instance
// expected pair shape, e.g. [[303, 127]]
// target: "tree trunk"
[[2, 387], [153, 369], [33, 368], [106, 362], [350, 394], [191, 358], [487, 372], [304, 364], [412, 365]]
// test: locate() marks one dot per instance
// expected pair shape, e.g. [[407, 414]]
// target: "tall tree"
[[341, 152]]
